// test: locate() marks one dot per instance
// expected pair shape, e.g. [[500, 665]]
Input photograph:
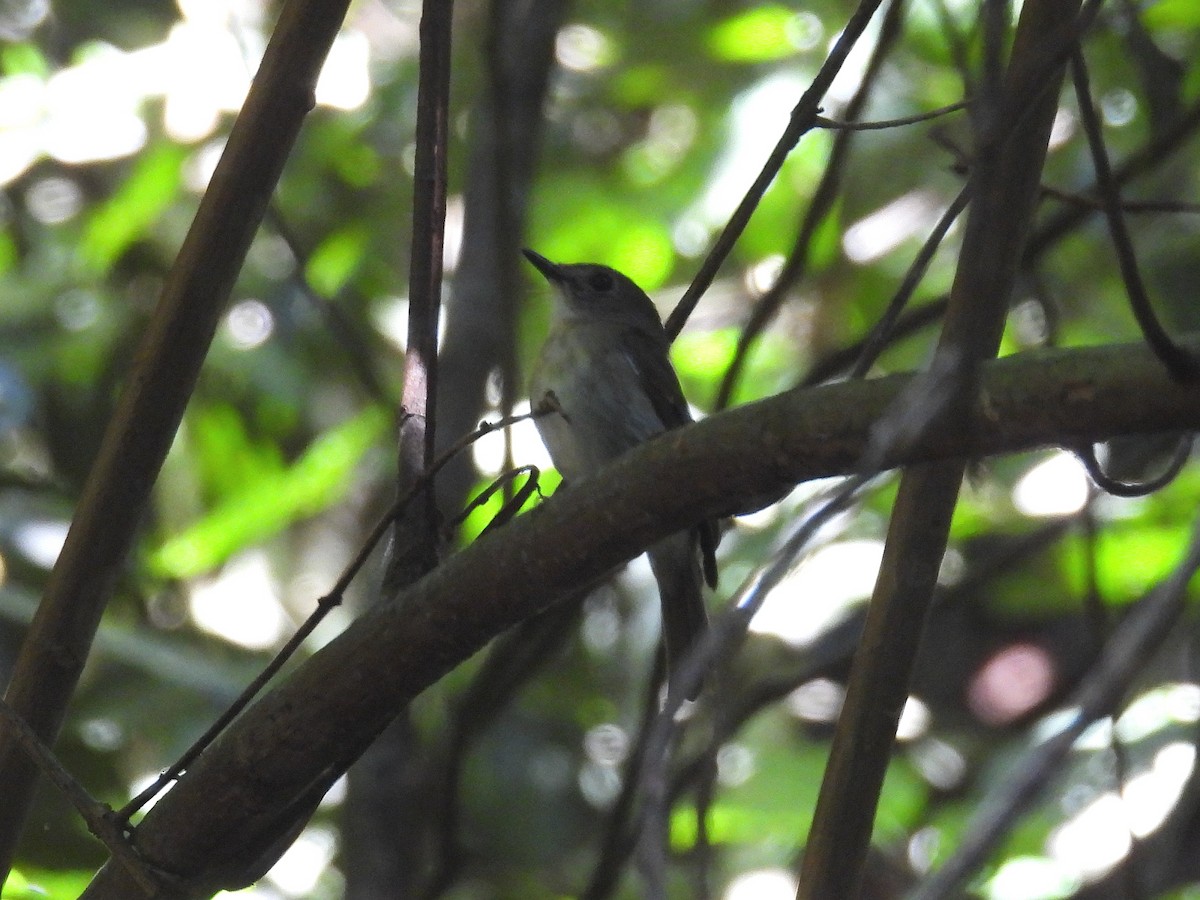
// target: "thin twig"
[[1086, 454], [841, 360], [1181, 365], [99, 816], [326, 603], [819, 209], [1127, 206], [802, 119], [881, 334], [1144, 160], [883, 124]]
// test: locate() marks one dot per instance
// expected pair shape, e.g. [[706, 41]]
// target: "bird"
[[605, 373]]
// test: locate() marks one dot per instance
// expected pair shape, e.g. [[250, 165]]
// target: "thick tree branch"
[[321, 718], [151, 406]]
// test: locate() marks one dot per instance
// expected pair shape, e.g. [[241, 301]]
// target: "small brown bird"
[[606, 364]]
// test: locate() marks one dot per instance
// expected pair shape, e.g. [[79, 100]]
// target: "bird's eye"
[[600, 281]]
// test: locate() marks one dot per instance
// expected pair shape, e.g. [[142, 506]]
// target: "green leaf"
[[225, 455], [701, 359], [337, 258], [24, 59], [1131, 562], [757, 35], [1173, 14], [45, 885], [581, 222], [8, 252], [320, 478], [129, 213]]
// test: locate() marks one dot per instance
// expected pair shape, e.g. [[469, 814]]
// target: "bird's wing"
[[648, 354], [650, 359]]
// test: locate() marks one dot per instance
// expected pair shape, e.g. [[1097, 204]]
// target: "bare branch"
[[317, 721]]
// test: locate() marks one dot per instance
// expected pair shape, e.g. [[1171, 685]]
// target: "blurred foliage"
[[659, 116]]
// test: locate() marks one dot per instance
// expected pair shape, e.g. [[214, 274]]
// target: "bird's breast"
[[601, 409]]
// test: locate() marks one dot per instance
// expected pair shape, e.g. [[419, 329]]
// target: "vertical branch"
[[1011, 148], [481, 316], [414, 548], [160, 382], [382, 828]]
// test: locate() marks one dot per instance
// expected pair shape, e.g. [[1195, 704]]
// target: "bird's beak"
[[552, 272]]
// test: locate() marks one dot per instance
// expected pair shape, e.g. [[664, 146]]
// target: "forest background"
[[1045, 724]]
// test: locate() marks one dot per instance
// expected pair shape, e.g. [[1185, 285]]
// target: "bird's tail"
[[675, 562]]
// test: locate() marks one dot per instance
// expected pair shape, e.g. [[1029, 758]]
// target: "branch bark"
[[323, 716]]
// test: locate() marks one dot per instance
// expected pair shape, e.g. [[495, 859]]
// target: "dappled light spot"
[[1095, 839], [819, 700], [345, 80], [40, 540], [19, 18], [922, 849], [1119, 107], [882, 231], [94, 110], [1057, 486], [1100, 834], [1011, 684], [1063, 129], [582, 48], [1150, 796], [820, 592], [735, 764], [241, 604], [601, 627], [76, 310], [527, 447], [599, 784], [1026, 877], [1162, 707], [297, 872], [762, 884], [249, 324], [102, 733], [761, 276], [54, 200], [915, 720], [606, 744], [941, 764]]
